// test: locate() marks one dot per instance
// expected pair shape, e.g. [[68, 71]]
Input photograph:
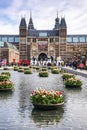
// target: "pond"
[[16, 110]]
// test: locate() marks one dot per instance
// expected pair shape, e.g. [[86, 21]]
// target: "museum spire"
[[23, 22], [63, 23], [56, 27], [30, 25]]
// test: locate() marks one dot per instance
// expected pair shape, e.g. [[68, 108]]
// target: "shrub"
[[43, 74]]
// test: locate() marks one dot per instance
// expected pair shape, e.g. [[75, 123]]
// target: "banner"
[[43, 45]]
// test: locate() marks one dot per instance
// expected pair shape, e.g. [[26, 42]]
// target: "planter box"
[[47, 107], [6, 89]]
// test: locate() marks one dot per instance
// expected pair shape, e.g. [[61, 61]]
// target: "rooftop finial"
[[30, 25], [30, 14], [57, 14]]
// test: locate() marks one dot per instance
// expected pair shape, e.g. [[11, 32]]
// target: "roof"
[[7, 45], [30, 25], [63, 23], [23, 23]]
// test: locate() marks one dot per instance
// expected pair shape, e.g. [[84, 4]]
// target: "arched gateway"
[[42, 57]]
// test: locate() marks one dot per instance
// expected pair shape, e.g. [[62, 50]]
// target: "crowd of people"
[[75, 64]]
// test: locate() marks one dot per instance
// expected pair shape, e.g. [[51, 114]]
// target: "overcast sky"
[[44, 13]]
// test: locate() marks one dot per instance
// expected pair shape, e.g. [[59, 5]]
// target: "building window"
[[23, 33], [4, 39], [69, 39], [56, 40], [75, 39], [34, 40], [23, 41], [51, 40], [62, 40], [1, 44], [82, 39], [42, 39], [16, 39], [86, 39], [42, 34], [11, 39], [29, 40]]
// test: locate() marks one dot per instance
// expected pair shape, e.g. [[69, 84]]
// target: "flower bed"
[[5, 68], [29, 71], [43, 74], [55, 71], [6, 73], [6, 85], [34, 67], [37, 67], [15, 68], [20, 70], [66, 76], [41, 96], [26, 68], [44, 69], [73, 82], [4, 78], [85, 67]]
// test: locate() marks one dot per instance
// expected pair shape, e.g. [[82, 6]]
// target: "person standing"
[[75, 64]]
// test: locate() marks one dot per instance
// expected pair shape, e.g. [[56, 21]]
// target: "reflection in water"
[[78, 89], [49, 117], [5, 95]]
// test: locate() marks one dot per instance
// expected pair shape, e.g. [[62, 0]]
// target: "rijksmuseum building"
[[52, 44]]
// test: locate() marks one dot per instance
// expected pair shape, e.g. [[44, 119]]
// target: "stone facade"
[[52, 44], [42, 44], [9, 52], [78, 50]]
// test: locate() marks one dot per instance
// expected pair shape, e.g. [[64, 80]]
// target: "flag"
[[4, 62]]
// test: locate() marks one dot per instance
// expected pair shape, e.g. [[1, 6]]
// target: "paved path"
[[77, 72]]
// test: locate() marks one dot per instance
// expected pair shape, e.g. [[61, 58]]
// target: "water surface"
[[16, 110]]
